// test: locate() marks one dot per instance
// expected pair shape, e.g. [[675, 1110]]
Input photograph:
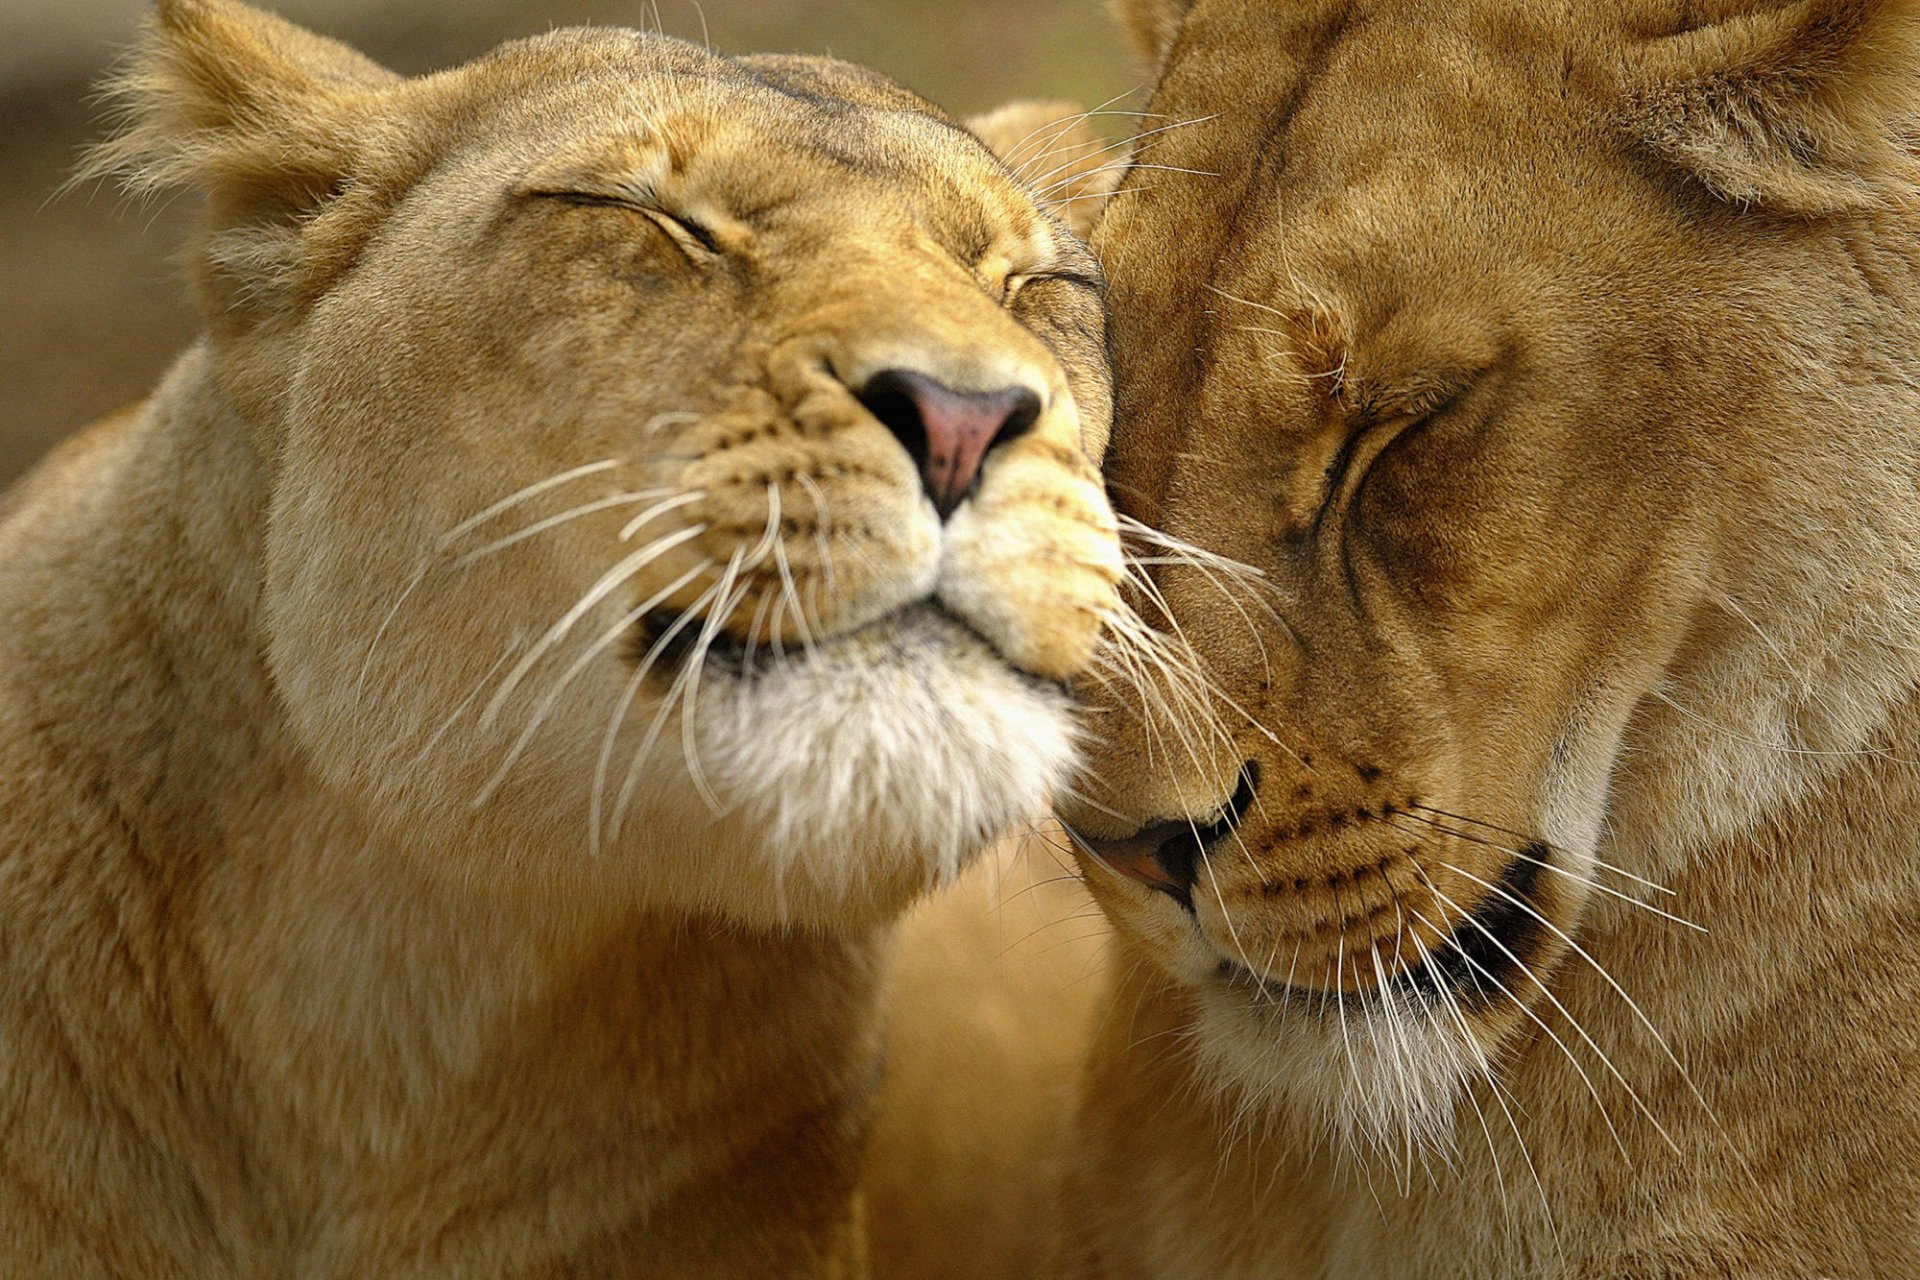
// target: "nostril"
[[1234, 812], [888, 397], [948, 433], [1167, 856], [1179, 856]]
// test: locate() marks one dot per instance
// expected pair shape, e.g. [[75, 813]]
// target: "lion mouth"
[[1474, 966], [672, 641]]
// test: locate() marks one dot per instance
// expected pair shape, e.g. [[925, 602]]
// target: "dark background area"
[[92, 307]]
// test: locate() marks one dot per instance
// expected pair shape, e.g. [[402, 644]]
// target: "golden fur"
[[1554, 371], [381, 893]]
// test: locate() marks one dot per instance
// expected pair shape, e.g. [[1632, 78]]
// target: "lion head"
[[677, 485], [1526, 394]]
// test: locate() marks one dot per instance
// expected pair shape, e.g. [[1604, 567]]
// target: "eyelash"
[[677, 228], [1018, 283]]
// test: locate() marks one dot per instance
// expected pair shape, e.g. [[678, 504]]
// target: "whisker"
[[628, 693], [1605, 976], [1545, 865], [600, 644], [645, 750], [1521, 835], [1521, 1005], [515, 499], [607, 584], [554, 521], [730, 598], [653, 513], [1606, 1060]]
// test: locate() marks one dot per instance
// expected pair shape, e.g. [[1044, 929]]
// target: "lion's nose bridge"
[[1206, 661], [884, 308]]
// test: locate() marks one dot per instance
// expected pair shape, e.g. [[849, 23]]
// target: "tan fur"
[[993, 1000], [1555, 369], [352, 920]]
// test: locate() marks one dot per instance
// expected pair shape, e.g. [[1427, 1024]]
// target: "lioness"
[[463, 739], [1518, 873]]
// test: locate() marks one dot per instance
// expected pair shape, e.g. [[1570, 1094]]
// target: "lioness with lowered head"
[[464, 738], [1539, 895]]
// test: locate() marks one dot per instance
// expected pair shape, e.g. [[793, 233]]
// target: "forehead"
[[776, 127], [1329, 143], [1320, 95], [1365, 196]]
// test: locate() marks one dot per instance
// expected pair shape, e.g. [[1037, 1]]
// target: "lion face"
[[1515, 487], [680, 476]]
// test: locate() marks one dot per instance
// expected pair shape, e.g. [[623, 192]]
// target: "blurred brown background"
[[91, 308]]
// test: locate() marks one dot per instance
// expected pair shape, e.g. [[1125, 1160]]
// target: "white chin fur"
[[1377, 1083], [842, 784]]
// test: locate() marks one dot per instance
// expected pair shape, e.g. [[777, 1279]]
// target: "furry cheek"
[[1034, 564]]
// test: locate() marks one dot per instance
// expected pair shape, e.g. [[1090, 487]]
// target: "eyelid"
[[1021, 279], [1366, 444], [679, 227]]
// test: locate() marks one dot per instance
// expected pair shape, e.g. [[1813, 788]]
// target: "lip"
[[1163, 856], [925, 624], [1481, 954]]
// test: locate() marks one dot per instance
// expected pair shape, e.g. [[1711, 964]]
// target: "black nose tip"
[[1168, 856], [947, 433]]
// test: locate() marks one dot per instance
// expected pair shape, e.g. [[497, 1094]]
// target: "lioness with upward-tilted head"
[[463, 739], [1522, 876]]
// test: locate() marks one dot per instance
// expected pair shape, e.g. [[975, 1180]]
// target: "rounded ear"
[[1808, 107], [1151, 24], [1051, 149], [269, 121], [222, 96]]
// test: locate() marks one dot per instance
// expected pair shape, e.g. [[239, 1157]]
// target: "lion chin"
[[873, 768], [623, 537]]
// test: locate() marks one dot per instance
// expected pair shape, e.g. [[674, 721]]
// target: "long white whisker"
[[645, 749], [1605, 976], [621, 627], [716, 619], [651, 514], [1535, 1018], [607, 584], [1546, 865], [554, 521], [515, 499]]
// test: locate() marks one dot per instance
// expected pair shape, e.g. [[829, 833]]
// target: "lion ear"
[[1808, 108], [1151, 24], [1051, 148], [270, 122]]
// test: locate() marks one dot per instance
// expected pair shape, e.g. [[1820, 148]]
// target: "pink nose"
[[948, 433]]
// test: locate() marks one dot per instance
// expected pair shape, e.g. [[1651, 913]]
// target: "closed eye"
[[1364, 447], [693, 239], [1017, 283]]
